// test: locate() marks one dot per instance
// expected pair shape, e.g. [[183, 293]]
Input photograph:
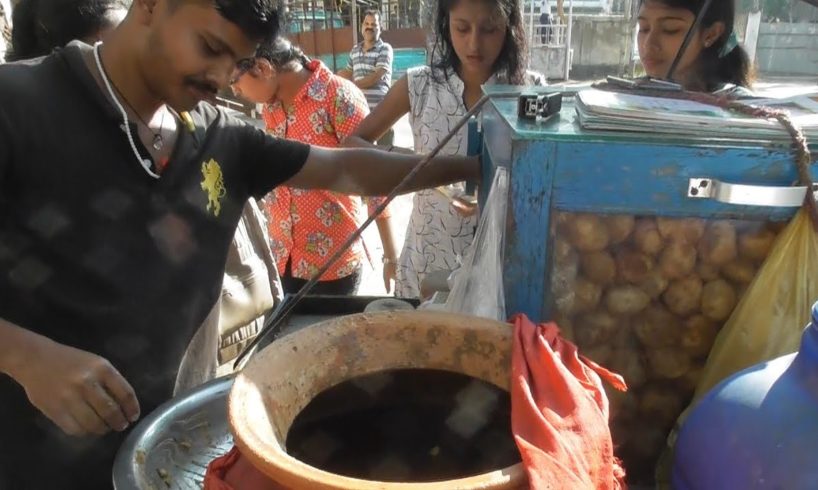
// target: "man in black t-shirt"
[[120, 191]]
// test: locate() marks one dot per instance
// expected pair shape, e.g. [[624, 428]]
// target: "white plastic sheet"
[[478, 285]]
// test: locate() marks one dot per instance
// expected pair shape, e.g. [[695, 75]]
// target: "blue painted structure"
[[556, 165]]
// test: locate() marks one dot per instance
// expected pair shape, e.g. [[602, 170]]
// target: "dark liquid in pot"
[[407, 425]]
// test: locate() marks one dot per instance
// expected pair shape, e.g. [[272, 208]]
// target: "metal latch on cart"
[[533, 106], [749, 195]]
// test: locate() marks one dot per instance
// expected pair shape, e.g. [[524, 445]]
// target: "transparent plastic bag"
[[478, 285]]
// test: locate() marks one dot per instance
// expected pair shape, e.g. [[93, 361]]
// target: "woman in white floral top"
[[5, 29], [477, 42]]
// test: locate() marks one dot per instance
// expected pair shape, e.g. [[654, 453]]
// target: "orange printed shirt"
[[308, 226]]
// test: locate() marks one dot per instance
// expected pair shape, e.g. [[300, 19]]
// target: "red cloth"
[[234, 472], [559, 412], [559, 417]]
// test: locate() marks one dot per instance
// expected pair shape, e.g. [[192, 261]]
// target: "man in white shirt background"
[[370, 65], [545, 21]]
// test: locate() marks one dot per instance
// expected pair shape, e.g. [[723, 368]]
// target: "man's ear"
[[144, 10], [264, 69]]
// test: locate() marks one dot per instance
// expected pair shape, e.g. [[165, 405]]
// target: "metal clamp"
[[750, 195], [533, 106]]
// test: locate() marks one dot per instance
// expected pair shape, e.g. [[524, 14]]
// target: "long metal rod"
[[288, 307], [693, 28], [568, 35], [354, 22], [531, 35]]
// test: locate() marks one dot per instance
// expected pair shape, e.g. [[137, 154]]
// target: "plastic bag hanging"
[[478, 285], [770, 318], [767, 322]]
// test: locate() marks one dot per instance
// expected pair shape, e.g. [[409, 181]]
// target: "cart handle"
[[750, 195]]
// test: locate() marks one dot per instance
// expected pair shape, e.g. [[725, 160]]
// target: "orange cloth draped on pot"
[[559, 412], [233, 472], [559, 417]]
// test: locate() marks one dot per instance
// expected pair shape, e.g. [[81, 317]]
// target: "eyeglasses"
[[242, 67]]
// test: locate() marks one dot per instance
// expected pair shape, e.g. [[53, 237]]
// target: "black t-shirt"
[[97, 254]]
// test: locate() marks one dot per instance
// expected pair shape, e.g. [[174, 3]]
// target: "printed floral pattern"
[[307, 226]]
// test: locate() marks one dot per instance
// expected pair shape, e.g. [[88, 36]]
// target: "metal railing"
[[307, 15], [401, 14], [547, 35], [315, 15]]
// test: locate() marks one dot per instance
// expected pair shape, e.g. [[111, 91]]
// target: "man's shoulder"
[[23, 82], [385, 46], [357, 49], [18, 73], [206, 115]]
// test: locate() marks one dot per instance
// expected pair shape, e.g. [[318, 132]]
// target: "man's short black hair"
[[258, 19], [373, 13]]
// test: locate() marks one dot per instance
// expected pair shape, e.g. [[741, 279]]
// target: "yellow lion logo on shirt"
[[213, 184]]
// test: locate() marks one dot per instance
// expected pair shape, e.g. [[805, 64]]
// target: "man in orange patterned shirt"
[[305, 101]]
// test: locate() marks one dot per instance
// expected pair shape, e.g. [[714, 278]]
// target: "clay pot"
[[283, 378]]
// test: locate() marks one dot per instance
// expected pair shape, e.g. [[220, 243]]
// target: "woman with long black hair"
[[712, 62], [477, 42]]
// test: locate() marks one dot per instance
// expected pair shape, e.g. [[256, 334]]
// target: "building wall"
[[601, 44], [787, 49]]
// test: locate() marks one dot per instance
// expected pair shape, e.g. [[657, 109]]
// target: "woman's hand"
[[463, 208], [390, 274]]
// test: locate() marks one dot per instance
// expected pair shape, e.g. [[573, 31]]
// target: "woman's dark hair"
[[716, 69], [280, 52], [510, 63], [42, 25]]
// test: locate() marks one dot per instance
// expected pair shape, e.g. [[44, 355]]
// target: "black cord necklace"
[[158, 141]]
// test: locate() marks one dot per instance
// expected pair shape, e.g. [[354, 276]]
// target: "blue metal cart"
[[560, 173], [556, 165]]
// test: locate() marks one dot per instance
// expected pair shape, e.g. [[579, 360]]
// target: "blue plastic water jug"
[[756, 429]]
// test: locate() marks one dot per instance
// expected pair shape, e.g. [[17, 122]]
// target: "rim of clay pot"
[[283, 378]]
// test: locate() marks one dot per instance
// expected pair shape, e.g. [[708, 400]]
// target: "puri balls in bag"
[[646, 297]]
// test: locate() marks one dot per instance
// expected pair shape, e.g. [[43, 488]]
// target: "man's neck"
[[291, 83], [368, 44], [121, 67]]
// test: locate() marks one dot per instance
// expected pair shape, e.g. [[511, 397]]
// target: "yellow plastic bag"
[[769, 319], [767, 322]]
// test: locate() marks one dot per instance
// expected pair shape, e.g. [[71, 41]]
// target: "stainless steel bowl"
[[171, 448]]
